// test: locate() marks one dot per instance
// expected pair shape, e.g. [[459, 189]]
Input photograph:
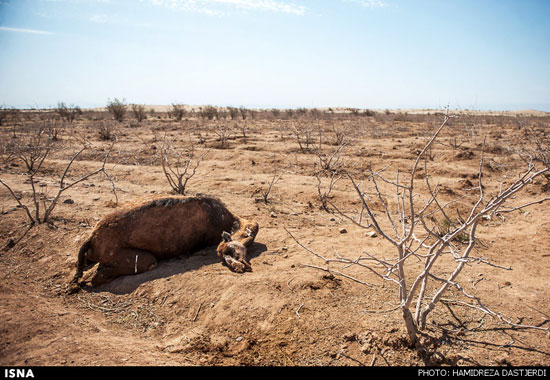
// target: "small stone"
[[343, 231], [68, 201], [372, 234], [273, 215]]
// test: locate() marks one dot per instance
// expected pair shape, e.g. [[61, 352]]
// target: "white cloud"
[[368, 3], [21, 30], [99, 19], [224, 7]]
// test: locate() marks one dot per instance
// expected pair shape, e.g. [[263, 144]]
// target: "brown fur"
[[132, 239]]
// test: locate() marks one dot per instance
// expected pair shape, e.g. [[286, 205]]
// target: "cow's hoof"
[[73, 288], [238, 267]]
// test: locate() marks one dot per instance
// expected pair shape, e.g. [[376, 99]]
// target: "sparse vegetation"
[[458, 269], [117, 108], [413, 238], [33, 154], [179, 165], [68, 113], [178, 111], [106, 130], [139, 112]]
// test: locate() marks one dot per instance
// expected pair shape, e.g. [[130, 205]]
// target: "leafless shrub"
[[538, 149], [6, 113], [139, 112], [369, 113], [233, 112], [117, 108], [354, 111], [9, 114], [178, 111], [179, 165], [408, 225], [331, 161], [339, 135], [267, 191], [304, 136], [244, 112], [33, 155], [244, 128], [106, 130], [208, 112], [315, 113], [68, 113], [325, 184], [224, 133], [289, 113], [276, 112]]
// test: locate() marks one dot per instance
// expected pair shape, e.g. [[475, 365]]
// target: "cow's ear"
[[226, 236]]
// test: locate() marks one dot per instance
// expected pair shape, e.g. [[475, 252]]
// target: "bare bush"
[[432, 244], [267, 191], [233, 112], [289, 113], [139, 112], [179, 165], [33, 155], [538, 149], [244, 128], [244, 112], [7, 113], [224, 133], [68, 113], [117, 108], [301, 112], [325, 184], [276, 112], [106, 130], [332, 160], [178, 111], [304, 136], [208, 112]]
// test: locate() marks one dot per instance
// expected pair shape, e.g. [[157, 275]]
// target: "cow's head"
[[233, 253]]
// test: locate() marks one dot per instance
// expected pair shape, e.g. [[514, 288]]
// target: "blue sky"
[[478, 54]]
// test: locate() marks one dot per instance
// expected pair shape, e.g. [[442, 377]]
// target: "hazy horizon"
[[368, 54]]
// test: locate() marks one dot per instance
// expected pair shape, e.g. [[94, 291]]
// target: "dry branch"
[[411, 227]]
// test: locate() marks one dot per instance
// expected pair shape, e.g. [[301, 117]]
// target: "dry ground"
[[194, 311]]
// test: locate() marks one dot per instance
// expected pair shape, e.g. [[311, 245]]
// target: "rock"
[[68, 201], [372, 234], [343, 231], [273, 215]]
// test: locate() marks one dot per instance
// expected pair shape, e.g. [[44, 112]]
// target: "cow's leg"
[[239, 266], [126, 261]]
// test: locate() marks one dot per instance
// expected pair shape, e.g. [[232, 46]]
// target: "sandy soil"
[[194, 311]]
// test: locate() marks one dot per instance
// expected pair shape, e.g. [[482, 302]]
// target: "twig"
[[373, 359], [298, 311], [197, 313], [288, 284]]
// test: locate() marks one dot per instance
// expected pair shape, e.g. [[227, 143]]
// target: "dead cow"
[[131, 240]]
